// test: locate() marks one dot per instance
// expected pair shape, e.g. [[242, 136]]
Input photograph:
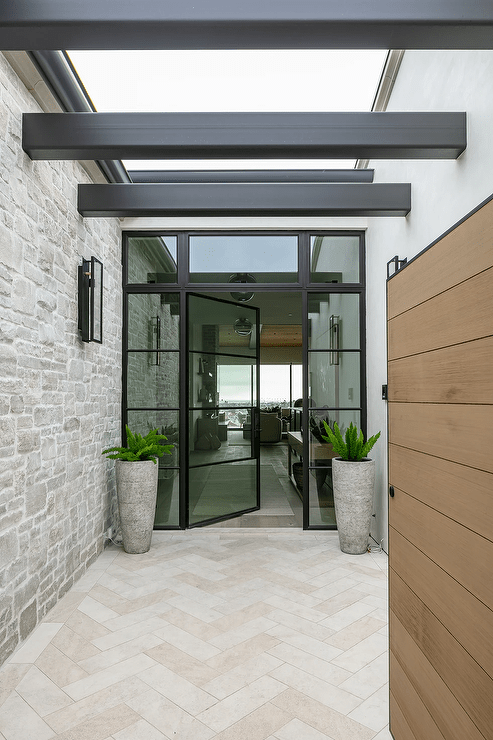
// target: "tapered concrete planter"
[[136, 485], [353, 484]]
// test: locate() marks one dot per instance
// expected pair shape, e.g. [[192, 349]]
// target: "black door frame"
[[183, 287], [255, 430]]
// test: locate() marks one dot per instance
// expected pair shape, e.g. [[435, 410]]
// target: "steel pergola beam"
[[203, 176], [244, 135], [256, 24], [244, 199]]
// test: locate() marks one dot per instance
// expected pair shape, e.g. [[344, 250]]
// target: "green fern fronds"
[[140, 448], [353, 447]]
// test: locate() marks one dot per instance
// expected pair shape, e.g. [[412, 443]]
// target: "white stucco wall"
[[443, 192]]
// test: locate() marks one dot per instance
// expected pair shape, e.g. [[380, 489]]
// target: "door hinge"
[[391, 491], [385, 393]]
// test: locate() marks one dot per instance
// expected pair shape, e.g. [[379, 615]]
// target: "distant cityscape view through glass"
[[280, 386]]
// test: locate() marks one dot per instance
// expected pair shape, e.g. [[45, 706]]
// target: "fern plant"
[[352, 446], [140, 448]]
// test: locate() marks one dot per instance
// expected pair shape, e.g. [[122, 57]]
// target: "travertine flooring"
[[232, 634]]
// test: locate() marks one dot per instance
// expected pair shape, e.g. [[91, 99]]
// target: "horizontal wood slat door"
[[440, 389]]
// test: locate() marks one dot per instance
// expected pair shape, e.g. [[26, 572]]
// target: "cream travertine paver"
[[317, 688], [141, 730], [181, 692], [307, 643], [365, 651], [231, 681], [81, 711], [41, 693], [115, 655], [233, 634], [19, 721], [356, 632], [187, 643], [297, 729], [108, 676], [171, 719], [36, 643], [369, 679], [310, 664], [373, 712], [236, 706]]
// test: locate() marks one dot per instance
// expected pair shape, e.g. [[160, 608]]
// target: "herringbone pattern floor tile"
[[234, 634]]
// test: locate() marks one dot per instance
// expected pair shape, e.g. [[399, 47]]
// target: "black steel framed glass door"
[[223, 397]]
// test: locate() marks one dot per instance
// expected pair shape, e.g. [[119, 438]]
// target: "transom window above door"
[[244, 259]]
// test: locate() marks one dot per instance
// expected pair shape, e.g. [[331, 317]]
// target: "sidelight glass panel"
[[153, 321], [153, 379], [152, 259], [334, 378], [334, 259], [222, 490], [334, 321], [321, 497], [321, 451], [166, 422], [167, 504], [244, 260]]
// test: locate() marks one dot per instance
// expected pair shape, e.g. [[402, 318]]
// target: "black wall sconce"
[[334, 338], [394, 265], [91, 300]]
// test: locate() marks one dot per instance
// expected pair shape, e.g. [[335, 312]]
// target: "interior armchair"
[[270, 427]]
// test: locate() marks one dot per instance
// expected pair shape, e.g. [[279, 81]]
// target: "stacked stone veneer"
[[59, 398]]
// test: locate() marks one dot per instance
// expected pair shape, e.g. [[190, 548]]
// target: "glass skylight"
[[235, 81]]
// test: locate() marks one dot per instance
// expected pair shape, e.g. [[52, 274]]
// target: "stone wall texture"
[[59, 397]]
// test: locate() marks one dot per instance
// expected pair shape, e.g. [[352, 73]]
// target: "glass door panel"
[[334, 389], [223, 457], [152, 386], [334, 321]]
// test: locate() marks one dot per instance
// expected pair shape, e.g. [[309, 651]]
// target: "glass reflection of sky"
[[243, 254]]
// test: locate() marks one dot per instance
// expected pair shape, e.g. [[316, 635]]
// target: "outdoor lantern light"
[[91, 300], [242, 277], [243, 327]]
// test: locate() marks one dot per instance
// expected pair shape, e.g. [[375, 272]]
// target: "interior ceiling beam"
[[226, 24], [202, 176], [245, 199], [380, 135]]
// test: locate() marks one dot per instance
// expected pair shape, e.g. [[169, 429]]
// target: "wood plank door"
[[440, 380]]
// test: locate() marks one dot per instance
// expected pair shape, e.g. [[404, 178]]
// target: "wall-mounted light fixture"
[[335, 329], [243, 327], [242, 277], [91, 300]]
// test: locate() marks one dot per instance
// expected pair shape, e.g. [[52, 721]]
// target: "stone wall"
[[59, 398]]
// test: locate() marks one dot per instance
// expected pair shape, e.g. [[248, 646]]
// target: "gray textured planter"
[[136, 485], [353, 484]]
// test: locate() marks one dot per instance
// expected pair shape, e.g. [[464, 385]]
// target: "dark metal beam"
[[245, 199], [191, 176], [66, 85], [256, 24], [243, 135]]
